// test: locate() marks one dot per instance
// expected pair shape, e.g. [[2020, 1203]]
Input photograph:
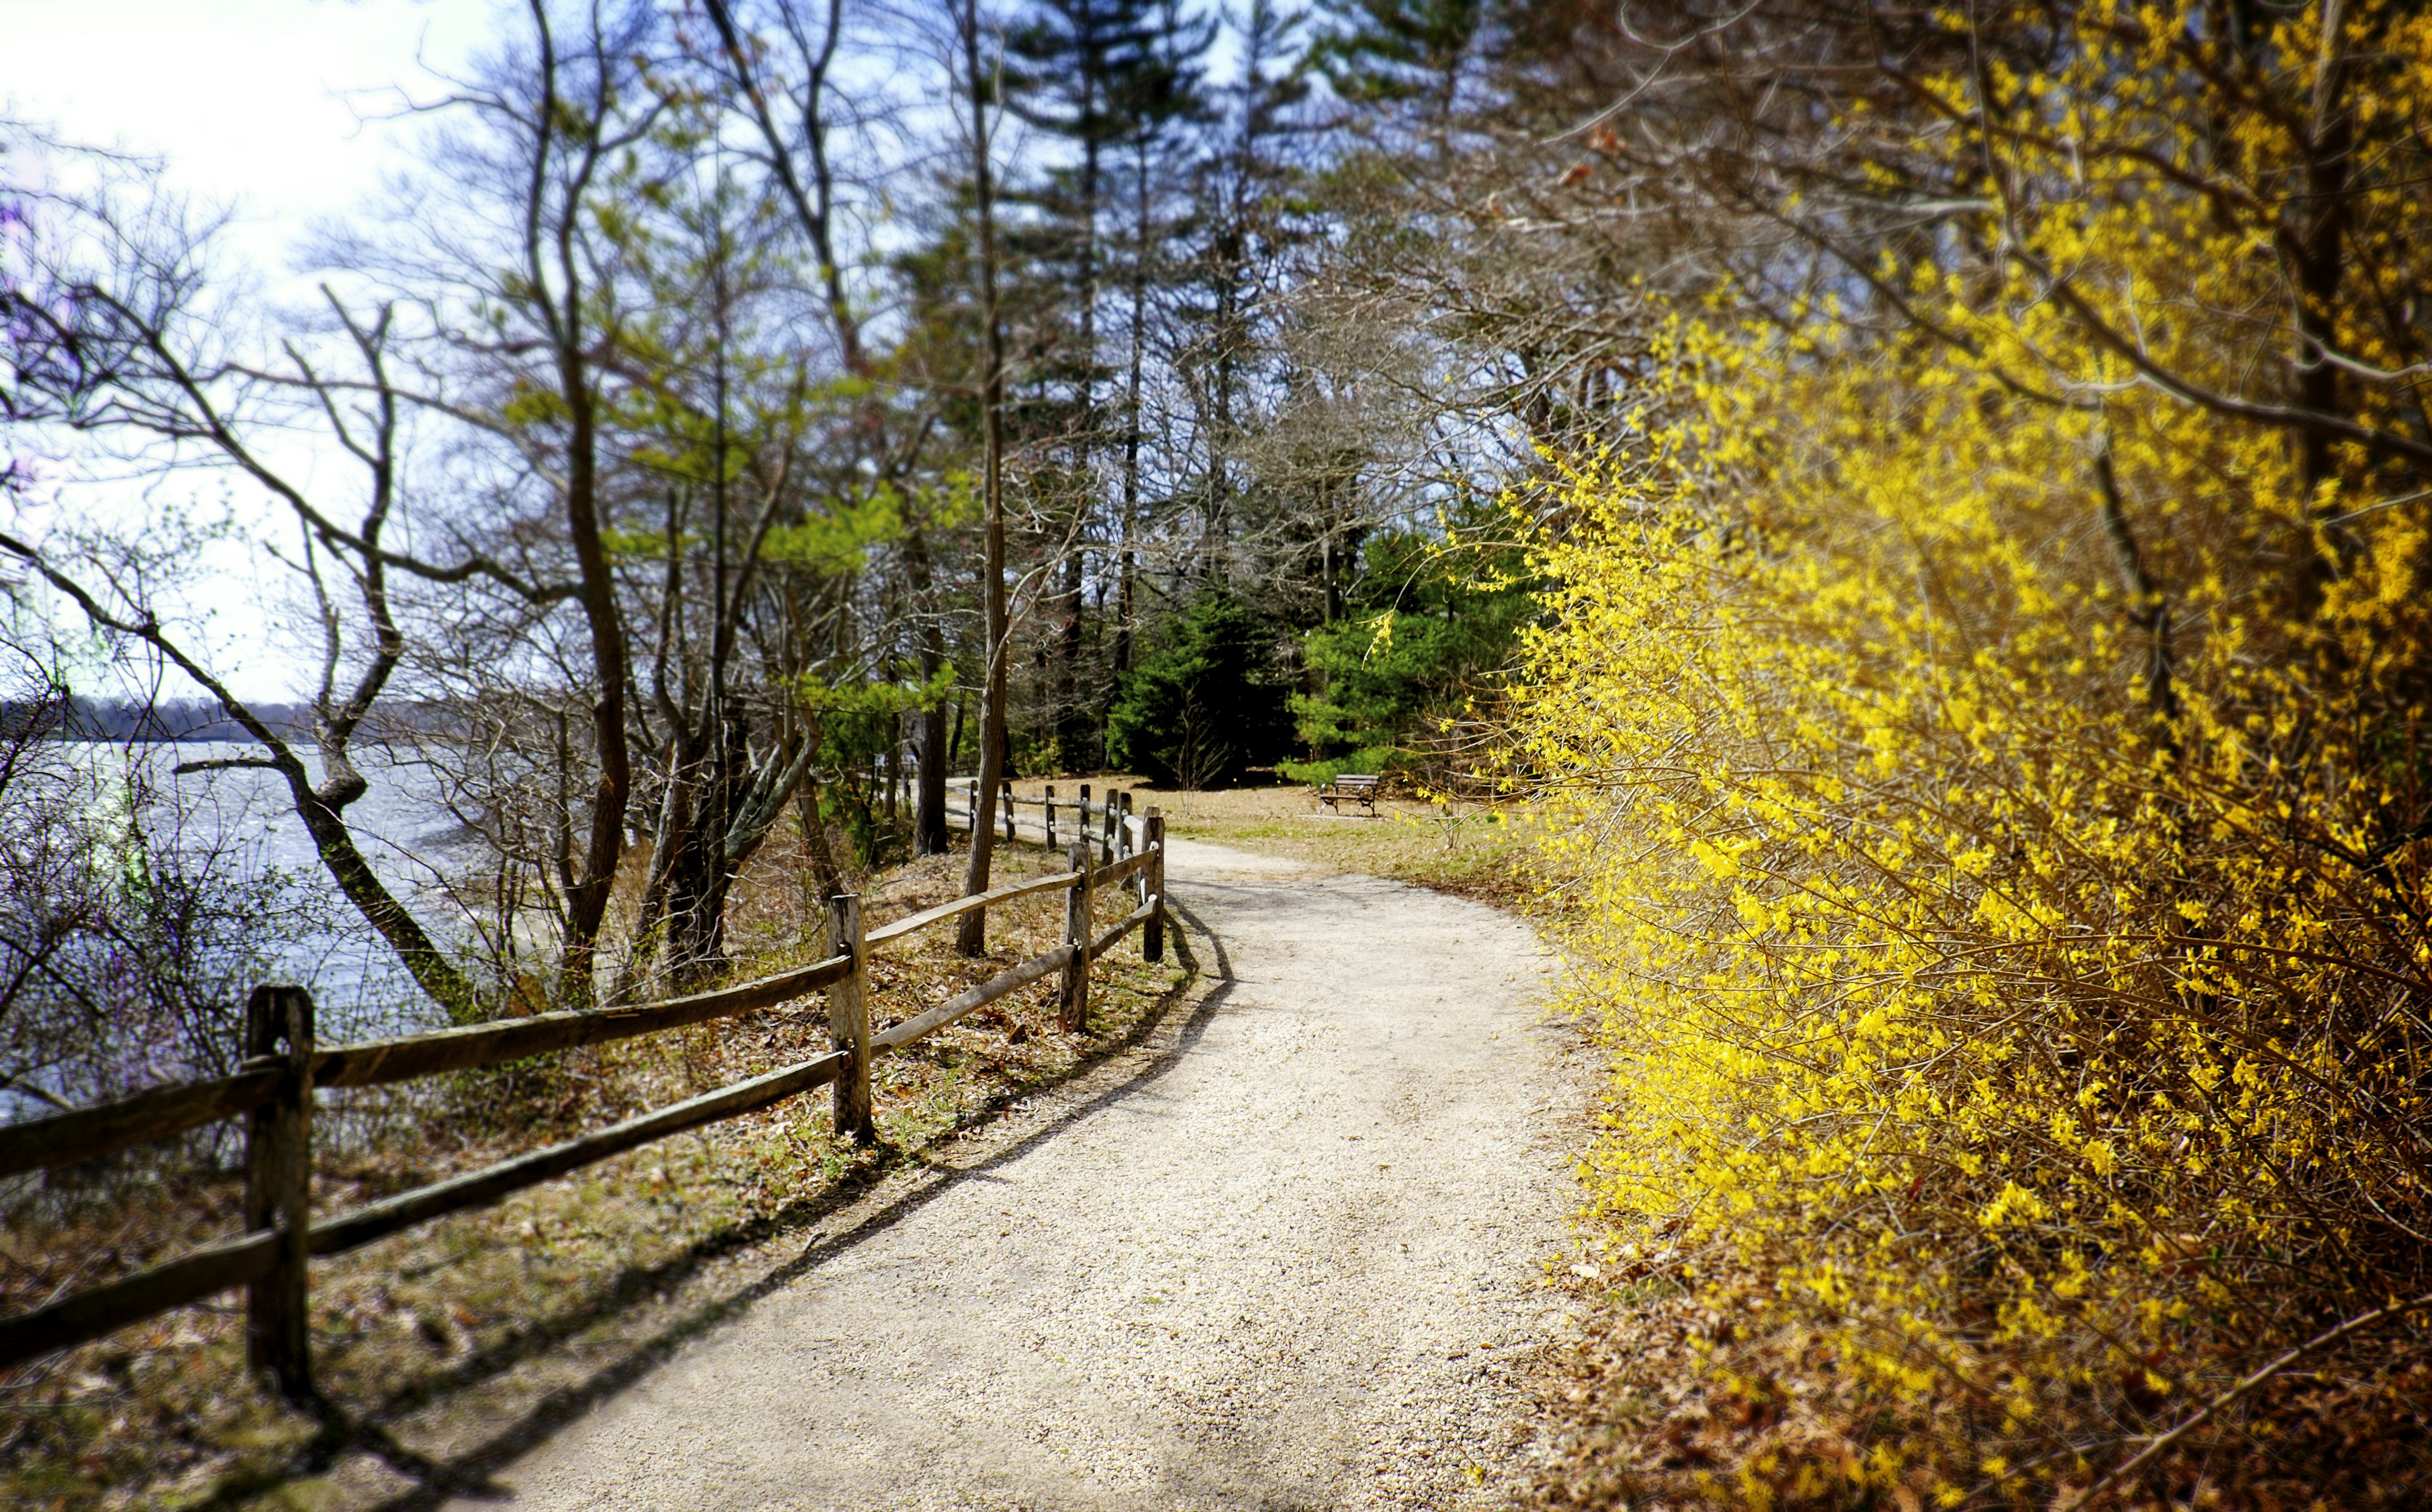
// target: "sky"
[[270, 108], [279, 112], [249, 101]]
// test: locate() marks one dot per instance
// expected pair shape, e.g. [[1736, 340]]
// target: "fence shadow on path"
[[469, 1475]]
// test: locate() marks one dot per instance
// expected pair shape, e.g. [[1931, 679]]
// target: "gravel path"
[[1287, 1258]]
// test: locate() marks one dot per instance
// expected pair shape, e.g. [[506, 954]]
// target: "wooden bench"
[[1350, 786]]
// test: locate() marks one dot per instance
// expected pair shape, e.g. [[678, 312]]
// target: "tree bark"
[[1126, 566], [971, 935], [553, 247]]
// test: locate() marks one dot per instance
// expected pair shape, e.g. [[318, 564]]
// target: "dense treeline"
[[80, 717]]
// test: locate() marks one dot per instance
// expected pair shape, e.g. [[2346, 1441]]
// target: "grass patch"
[[1476, 850]]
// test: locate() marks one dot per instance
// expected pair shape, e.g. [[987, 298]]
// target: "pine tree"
[[1097, 76], [1399, 51], [1243, 244], [1162, 106]]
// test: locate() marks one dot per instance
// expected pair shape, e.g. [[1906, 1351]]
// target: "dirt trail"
[[1287, 1259]]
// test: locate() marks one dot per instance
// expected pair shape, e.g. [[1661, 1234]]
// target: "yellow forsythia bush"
[[1997, 792]]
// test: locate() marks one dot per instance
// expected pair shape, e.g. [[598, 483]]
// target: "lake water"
[[248, 818]]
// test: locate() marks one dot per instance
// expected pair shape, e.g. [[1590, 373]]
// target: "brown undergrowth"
[[162, 1413], [1686, 1389]]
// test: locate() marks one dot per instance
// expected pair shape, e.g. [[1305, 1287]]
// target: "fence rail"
[[1102, 821], [273, 1089]]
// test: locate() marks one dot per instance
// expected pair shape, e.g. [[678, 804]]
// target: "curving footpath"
[[1289, 1259]]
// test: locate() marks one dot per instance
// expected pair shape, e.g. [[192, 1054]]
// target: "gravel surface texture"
[[1290, 1254]]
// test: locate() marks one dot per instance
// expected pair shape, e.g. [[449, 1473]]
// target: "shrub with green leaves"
[[1431, 624], [1208, 702]]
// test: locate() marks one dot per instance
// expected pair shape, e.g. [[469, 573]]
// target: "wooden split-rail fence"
[[1075, 817], [273, 1090]]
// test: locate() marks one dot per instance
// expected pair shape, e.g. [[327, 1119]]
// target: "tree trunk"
[[929, 806], [1123, 649], [971, 937], [1072, 723], [815, 839], [588, 893], [936, 750], [428, 966]]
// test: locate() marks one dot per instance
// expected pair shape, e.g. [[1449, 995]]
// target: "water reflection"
[[242, 818]]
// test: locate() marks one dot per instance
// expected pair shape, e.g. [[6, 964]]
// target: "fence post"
[[849, 1019], [1131, 843], [278, 1190], [1124, 828], [850, 1016], [1075, 1016], [1006, 794], [1107, 828], [1051, 819], [1153, 927]]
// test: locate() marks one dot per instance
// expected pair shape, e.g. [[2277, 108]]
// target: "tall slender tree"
[[1078, 72], [981, 77], [1240, 193], [784, 76], [1162, 105]]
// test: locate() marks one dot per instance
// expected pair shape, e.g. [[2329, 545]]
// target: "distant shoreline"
[[184, 723]]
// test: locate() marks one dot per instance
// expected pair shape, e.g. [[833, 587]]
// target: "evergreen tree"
[[1209, 704], [1399, 51], [1425, 635], [1094, 75], [1162, 106], [1242, 250]]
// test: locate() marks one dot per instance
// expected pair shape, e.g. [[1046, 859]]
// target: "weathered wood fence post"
[[1153, 876], [278, 1190], [1075, 1016], [1051, 819], [849, 1019], [1005, 792]]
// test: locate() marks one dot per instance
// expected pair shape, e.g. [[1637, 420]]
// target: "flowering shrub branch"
[[1997, 775]]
